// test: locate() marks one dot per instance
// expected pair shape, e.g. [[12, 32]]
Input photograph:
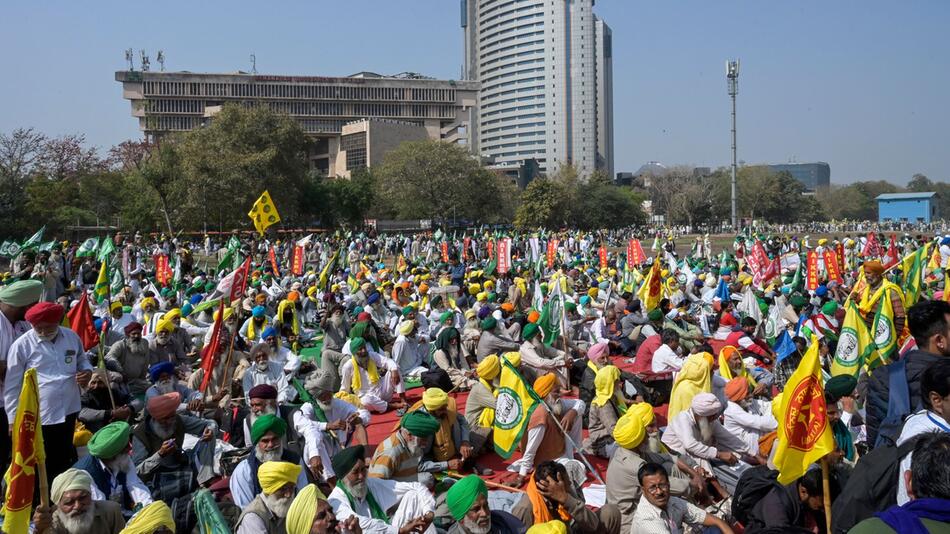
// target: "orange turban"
[[544, 384], [737, 389], [293, 296], [874, 267], [163, 406], [508, 307], [533, 316]]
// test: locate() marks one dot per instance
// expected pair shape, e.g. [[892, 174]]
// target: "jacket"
[[878, 386]]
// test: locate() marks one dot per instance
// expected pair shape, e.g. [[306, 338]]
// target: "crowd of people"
[[354, 384]]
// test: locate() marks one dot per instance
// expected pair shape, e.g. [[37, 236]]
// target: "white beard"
[[121, 464], [652, 443], [162, 431], [279, 506], [557, 409], [251, 417], [165, 386], [77, 524], [269, 456], [359, 490], [705, 430], [472, 527]]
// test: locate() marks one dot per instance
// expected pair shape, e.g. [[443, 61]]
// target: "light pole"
[[732, 76]]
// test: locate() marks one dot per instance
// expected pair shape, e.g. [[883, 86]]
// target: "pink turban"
[[598, 350], [163, 406], [706, 405]]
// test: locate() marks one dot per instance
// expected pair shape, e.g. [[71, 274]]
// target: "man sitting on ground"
[[467, 501], [658, 511], [551, 495], [267, 435], [111, 468], [268, 511], [76, 512]]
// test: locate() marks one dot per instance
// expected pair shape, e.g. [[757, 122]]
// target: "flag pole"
[[826, 492], [44, 482]]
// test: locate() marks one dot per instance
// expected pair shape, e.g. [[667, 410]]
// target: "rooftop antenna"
[[129, 57], [161, 59], [253, 63], [144, 60]]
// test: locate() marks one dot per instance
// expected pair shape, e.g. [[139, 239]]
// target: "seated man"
[[129, 358], [254, 326], [467, 501], [102, 404], [310, 513], [742, 417], [328, 424], [267, 435], [450, 447], [638, 442], [666, 359], [164, 381], [157, 448], [266, 371], [449, 356], [606, 407], [76, 511], [543, 359], [380, 504], [280, 353], [480, 404], [598, 356], [698, 435], [360, 375], [155, 518], [399, 457], [407, 352], [161, 346], [799, 504], [658, 511], [111, 468], [551, 495], [262, 400], [492, 341], [543, 440], [268, 511]]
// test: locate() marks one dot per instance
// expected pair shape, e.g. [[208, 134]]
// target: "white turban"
[[706, 405]]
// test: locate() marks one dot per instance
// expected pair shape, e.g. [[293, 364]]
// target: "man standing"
[[335, 329], [62, 368], [878, 288]]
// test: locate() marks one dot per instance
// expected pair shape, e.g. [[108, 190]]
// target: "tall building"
[[405, 105], [546, 75], [813, 176]]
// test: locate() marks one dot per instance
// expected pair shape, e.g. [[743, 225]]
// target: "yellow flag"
[[651, 291], [804, 435], [885, 335], [264, 213], [513, 408], [27, 451], [855, 345]]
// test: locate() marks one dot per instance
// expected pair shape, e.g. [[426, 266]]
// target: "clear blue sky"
[[860, 84]]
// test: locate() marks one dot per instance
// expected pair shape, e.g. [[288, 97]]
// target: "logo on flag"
[[806, 420]]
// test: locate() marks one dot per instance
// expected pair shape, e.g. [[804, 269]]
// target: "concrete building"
[[546, 75], [166, 102], [363, 143], [907, 207], [813, 176]]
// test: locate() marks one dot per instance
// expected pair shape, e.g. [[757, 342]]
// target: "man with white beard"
[[327, 424], [742, 417], [111, 468], [267, 434], [383, 506], [266, 371], [467, 501], [399, 457], [335, 331], [267, 513], [164, 381], [543, 359], [262, 400], [638, 442], [76, 511]]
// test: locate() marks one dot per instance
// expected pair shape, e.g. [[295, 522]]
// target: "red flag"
[[81, 322], [831, 266], [552, 252], [635, 255], [839, 254], [210, 352], [163, 274], [504, 255], [298, 261], [272, 256], [811, 283], [891, 258], [602, 252], [491, 249], [467, 242], [872, 249], [239, 282]]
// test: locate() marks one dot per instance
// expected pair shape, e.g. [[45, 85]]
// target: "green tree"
[[544, 203]]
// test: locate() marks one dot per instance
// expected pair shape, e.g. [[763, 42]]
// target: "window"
[[355, 147]]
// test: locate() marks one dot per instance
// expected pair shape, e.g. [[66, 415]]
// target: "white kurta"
[[413, 498], [317, 440], [525, 464]]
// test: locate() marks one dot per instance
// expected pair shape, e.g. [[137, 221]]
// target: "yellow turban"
[[70, 480], [481, 296], [644, 411], [165, 325], [551, 527], [474, 289], [604, 382], [630, 430], [405, 327], [544, 384], [150, 518], [489, 368], [148, 301], [173, 313], [695, 377], [303, 510], [470, 313], [116, 305], [489, 284], [726, 372], [275, 475], [514, 358], [228, 312], [434, 399]]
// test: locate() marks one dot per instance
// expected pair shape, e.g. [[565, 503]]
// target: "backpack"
[[754, 484], [872, 486]]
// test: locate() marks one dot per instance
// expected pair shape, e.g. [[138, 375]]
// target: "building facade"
[[813, 176], [907, 207], [166, 102], [546, 75]]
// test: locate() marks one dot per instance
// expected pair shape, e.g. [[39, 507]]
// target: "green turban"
[[797, 301], [445, 316], [830, 308], [110, 441], [420, 424], [356, 344], [570, 306], [462, 495], [343, 461], [209, 287], [407, 310], [841, 386], [529, 331], [492, 297], [656, 314], [22, 293], [267, 423], [489, 323]]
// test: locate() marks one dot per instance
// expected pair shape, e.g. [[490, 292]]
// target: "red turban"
[[727, 319], [363, 317], [132, 327], [163, 406], [45, 313], [263, 391]]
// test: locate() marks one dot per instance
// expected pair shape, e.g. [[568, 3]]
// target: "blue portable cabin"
[[907, 207]]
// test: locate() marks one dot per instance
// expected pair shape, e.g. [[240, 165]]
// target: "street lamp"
[[732, 77]]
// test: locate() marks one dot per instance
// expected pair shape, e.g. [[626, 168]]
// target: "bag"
[[230, 459], [437, 378], [872, 486], [898, 405], [754, 484]]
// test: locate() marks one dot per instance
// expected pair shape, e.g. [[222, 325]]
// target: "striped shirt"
[[393, 460]]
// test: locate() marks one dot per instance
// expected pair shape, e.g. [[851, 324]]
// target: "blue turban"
[[160, 369], [483, 312], [98, 324], [257, 311], [195, 299], [373, 299], [186, 309], [821, 291], [270, 331]]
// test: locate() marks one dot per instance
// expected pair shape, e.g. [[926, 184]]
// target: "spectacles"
[[657, 488]]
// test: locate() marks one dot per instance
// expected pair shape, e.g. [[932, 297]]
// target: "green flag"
[[117, 281], [551, 314], [106, 248], [226, 262], [88, 248], [34, 240], [9, 249], [210, 520], [234, 243], [48, 246]]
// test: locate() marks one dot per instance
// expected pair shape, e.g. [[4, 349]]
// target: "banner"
[[855, 344], [872, 249], [504, 255], [811, 280], [804, 435], [885, 335], [832, 266], [635, 254], [491, 249], [891, 258], [27, 451], [444, 247], [514, 404], [535, 249], [552, 252], [238, 282], [297, 266], [602, 253], [263, 213], [163, 273], [272, 257], [839, 254], [101, 289], [466, 243]]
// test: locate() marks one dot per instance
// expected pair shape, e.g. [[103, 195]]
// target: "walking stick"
[[488, 483], [577, 449]]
